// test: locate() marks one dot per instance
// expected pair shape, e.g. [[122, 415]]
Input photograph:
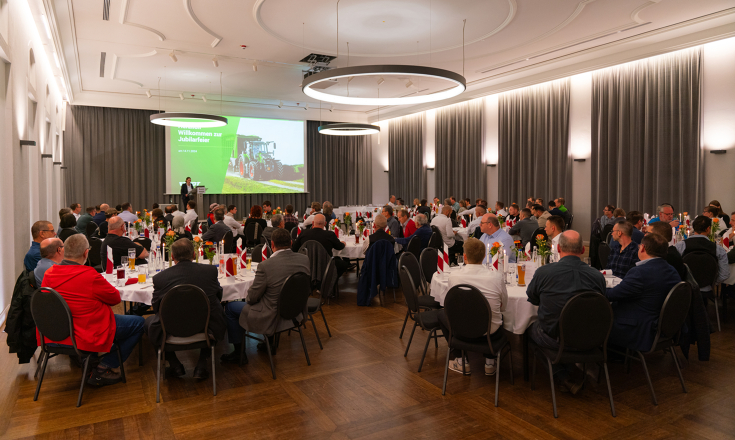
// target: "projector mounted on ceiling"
[[317, 63]]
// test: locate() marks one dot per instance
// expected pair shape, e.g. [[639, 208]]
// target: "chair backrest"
[[411, 264], [52, 316], [289, 226], [318, 260], [229, 240], [67, 232], [409, 290], [569, 223], [330, 279], [205, 227], [468, 312], [253, 234], [704, 267], [95, 246], [294, 294], [428, 263], [603, 252], [436, 241], [294, 233], [674, 312], [414, 247], [585, 322], [90, 229], [258, 253], [194, 226], [145, 242], [184, 311]]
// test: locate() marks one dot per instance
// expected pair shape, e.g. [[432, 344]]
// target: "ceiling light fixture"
[[215, 62], [188, 120], [172, 55], [148, 93], [255, 67], [46, 26], [348, 129]]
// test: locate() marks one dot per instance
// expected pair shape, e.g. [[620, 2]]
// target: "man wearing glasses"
[[666, 214], [625, 256], [40, 231]]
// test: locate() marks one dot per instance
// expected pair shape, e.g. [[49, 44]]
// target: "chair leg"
[[426, 347], [510, 361], [84, 380], [717, 311], [140, 352], [405, 320], [497, 378], [410, 339], [158, 377], [324, 318], [553, 391], [533, 372], [122, 367], [313, 324], [39, 362], [303, 344], [446, 371], [214, 379], [609, 389], [678, 370], [270, 356], [648, 378], [43, 371], [464, 364]]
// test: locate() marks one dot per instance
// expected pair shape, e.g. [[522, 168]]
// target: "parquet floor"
[[361, 386]]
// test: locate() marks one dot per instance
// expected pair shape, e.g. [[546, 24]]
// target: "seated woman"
[[157, 218], [103, 226], [180, 230], [423, 209], [68, 225], [256, 214]]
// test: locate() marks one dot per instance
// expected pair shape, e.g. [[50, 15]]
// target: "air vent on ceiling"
[[106, 10], [103, 56]]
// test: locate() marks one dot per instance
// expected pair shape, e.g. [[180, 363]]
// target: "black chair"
[[229, 242], [95, 258], [414, 269], [290, 225], [673, 314], [705, 269], [571, 220], [194, 226], [414, 247], [258, 253], [318, 261], [429, 258], [68, 232], [90, 230], [294, 233], [603, 253], [184, 315], [469, 316], [104, 227], [536, 233], [291, 302], [314, 305], [584, 326], [53, 320], [426, 317], [436, 241], [205, 227], [145, 242], [252, 234]]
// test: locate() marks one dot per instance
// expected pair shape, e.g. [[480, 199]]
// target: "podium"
[[201, 211]]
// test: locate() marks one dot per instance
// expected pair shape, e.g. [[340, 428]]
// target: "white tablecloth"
[[340, 212], [353, 250], [463, 233]]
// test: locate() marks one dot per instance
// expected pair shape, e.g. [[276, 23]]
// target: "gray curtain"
[[460, 152], [533, 145], [407, 176], [339, 168], [645, 134]]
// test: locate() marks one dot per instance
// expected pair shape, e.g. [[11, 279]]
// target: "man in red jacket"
[[407, 225], [90, 298]]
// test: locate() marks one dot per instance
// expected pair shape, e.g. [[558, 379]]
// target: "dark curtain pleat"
[[645, 134], [533, 144], [460, 153], [407, 177]]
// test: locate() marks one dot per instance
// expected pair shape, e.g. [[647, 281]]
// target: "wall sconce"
[[57, 163], [47, 156], [718, 151], [30, 143], [492, 164], [387, 171], [63, 168], [580, 160], [430, 169]]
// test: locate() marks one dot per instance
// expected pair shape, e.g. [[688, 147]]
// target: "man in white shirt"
[[491, 285], [500, 209], [316, 208], [236, 226], [392, 202], [191, 214], [175, 211], [554, 228], [127, 213], [474, 224], [76, 209], [444, 223], [491, 233]]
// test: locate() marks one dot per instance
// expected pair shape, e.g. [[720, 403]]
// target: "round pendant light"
[[457, 81], [348, 129], [188, 120]]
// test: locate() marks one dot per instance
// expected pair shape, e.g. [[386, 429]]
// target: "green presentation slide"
[[247, 156]]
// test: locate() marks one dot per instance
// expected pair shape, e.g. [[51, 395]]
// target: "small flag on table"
[[200, 229], [365, 233], [147, 232], [336, 231], [298, 230], [445, 254], [440, 263], [230, 268], [464, 223], [188, 228], [110, 263], [240, 254], [528, 249], [264, 253], [496, 257], [726, 242]]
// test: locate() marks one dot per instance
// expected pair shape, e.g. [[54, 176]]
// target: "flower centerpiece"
[[542, 249], [197, 242], [518, 250], [360, 226], [169, 238], [210, 251], [138, 225], [501, 220], [348, 221], [277, 211], [495, 248], [714, 229]]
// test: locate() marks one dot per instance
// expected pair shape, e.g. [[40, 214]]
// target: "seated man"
[[40, 231], [276, 222], [408, 226], [513, 213], [394, 226], [378, 234], [554, 228], [191, 214], [120, 245], [479, 211], [99, 217], [491, 285], [203, 276], [665, 214], [217, 231], [327, 239], [127, 213], [625, 255], [229, 220], [316, 208], [525, 227], [541, 215], [259, 314], [90, 298], [52, 253], [423, 231], [551, 287], [289, 217], [85, 219], [636, 219], [491, 233], [444, 223], [638, 299], [500, 209], [699, 241]]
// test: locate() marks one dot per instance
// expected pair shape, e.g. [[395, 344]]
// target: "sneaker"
[[456, 365], [100, 378], [490, 369]]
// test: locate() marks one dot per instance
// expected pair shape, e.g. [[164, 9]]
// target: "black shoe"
[[233, 358], [175, 371], [574, 387], [100, 378], [200, 373]]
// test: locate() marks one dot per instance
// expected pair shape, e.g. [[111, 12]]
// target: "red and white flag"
[[726, 242], [442, 260], [188, 228], [146, 232], [200, 229], [298, 230], [445, 255], [110, 263], [365, 233], [264, 253], [464, 223], [496, 258], [241, 256]]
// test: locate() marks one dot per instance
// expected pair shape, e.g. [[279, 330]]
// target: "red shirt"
[[90, 298], [409, 228]]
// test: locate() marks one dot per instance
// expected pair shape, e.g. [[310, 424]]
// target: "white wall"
[[380, 164]]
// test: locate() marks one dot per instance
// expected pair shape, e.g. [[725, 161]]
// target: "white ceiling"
[[507, 43]]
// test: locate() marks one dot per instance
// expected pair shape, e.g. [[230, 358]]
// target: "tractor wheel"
[[241, 167], [279, 170], [251, 170]]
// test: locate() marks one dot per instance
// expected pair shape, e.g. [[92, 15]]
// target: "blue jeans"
[[232, 314], [129, 329]]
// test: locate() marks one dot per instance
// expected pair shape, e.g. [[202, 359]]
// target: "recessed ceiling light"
[[348, 129], [215, 62], [46, 26], [148, 93], [172, 55], [181, 96]]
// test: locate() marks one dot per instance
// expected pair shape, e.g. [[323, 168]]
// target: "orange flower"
[[170, 233], [539, 237], [197, 239], [137, 221], [209, 243], [496, 244], [715, 220]]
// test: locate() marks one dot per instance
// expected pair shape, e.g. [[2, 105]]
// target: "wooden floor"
[[361, 386]]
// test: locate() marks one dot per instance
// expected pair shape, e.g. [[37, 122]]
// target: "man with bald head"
[[328, 239], [52, 252], [120, 244], [100, 216], [551, 287], [492, 233]]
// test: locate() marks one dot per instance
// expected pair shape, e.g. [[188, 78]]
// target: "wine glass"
[[460, 260]]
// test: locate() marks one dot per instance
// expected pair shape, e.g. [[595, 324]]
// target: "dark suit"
[[203, 276], [185, 193], [216, 232], [423, 233], [525, 229], [380, 235], [637, 303], [328, 239]]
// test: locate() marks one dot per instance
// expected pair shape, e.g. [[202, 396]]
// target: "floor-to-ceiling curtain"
[[645, 134], [533, 143], [407, 177], [339, 168], [460, 152]]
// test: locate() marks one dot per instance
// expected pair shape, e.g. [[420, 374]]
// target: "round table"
[[463, 233], [353, 251]]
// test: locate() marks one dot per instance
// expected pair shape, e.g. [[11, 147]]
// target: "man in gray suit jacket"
[[260, 315], [525, 227], [217, 231]]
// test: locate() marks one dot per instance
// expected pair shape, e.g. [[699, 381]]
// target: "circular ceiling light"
[[188, 120], [458, 81], [348, 129]]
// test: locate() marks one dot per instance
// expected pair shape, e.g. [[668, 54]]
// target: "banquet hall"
[[367, 219]]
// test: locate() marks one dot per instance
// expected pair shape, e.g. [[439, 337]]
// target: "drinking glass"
[[522, 274], [131, 258], [142, 272], [120, 276], [124, 261], [460, 260], [512, 274], [249, 262]]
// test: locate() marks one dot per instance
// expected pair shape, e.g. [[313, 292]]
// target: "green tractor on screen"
[[256, 161]]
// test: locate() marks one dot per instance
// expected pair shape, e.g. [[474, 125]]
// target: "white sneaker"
[[456, 365], [490, 367]]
